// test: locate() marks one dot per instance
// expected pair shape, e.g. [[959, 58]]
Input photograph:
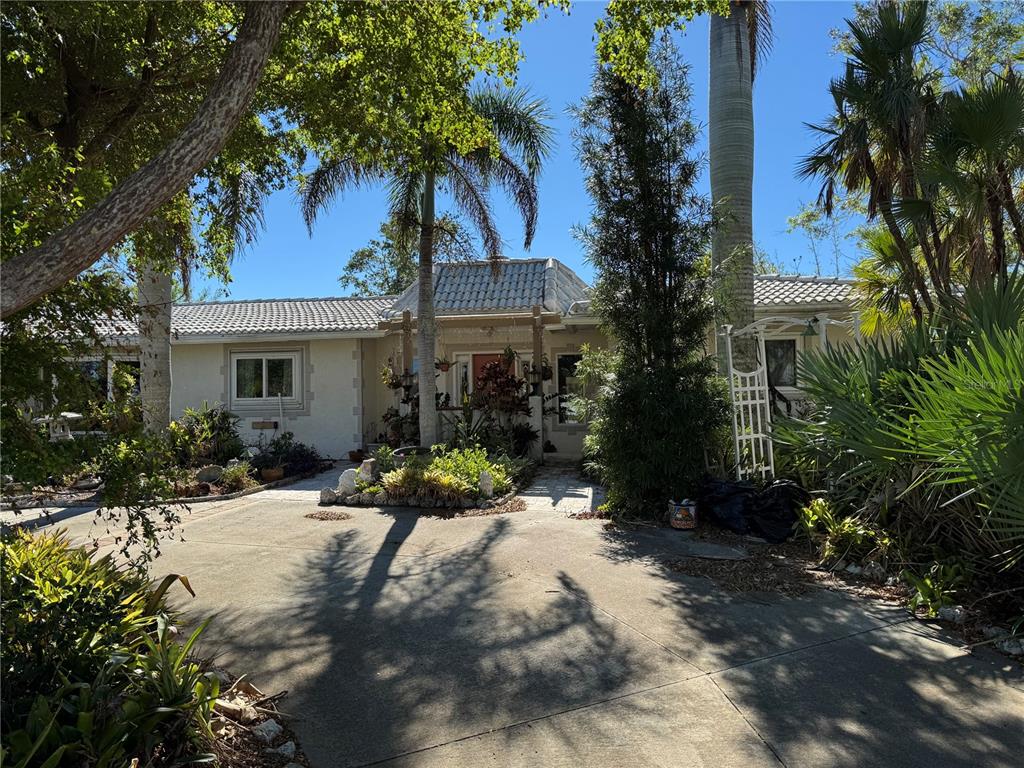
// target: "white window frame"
[[295, 355], [558, 387]]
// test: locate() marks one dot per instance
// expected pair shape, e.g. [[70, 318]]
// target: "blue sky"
[[791, 89]]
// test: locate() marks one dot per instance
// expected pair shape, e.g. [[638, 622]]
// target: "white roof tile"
[[466, 288], [799, 290]]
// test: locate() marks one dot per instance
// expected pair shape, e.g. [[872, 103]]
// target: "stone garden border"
[[382, 499], [53, 503]]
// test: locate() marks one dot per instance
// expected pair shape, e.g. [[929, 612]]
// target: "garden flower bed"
[[457, 478]]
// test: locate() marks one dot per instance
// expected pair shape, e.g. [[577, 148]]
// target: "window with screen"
[[781, 357]]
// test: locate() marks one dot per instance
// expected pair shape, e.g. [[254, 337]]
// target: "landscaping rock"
[[233, 463], [1012, 646], [854, 569], [211, 473], [368, 469], [88, 483], [380, 499], [286, 750], [6, 480], [328, 496], [347, 483], [486, 484], [366, 499], [875, 572], [954, 613], [267, 731]]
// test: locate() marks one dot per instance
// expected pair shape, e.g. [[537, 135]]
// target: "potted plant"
[[390, 379], [443, 364]]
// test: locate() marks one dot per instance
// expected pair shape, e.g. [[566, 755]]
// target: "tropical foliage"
[[922, 435], [510, 158], [646, 238], [939, 161], [94, 673], [387, 266]]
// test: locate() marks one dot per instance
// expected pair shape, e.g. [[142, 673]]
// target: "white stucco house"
[[313, 366]]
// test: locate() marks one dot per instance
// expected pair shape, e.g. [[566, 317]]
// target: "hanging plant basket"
[[443, 365]]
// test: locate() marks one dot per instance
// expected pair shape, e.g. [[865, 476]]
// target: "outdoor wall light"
[[811, 330]]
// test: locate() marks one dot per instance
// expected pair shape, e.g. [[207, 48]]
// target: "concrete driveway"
[[532, 639]]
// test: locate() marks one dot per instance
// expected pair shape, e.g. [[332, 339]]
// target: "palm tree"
[[736, 42], [522, 136], [166, 245]]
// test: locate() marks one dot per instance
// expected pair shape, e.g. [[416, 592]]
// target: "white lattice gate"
[[751, 414]]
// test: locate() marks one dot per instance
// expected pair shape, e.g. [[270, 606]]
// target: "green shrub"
[[285, 451], [151, 703], [92, 672], [206, 436], [937, 587], [385, 456], [840, 537], [64, 613], [921, 435], [445, 486], [467, 464], [237, 477]]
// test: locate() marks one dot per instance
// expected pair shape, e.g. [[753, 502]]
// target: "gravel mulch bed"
[[329, 514], [515, 504], [788, 568]]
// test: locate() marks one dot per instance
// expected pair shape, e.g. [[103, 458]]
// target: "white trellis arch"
[[750, 395]]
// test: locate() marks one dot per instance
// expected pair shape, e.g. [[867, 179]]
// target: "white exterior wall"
[[330, 415]]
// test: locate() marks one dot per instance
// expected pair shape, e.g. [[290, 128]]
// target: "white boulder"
[[486, 484], [347, 482]]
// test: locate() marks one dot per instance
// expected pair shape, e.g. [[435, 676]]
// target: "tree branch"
[[33, 273]]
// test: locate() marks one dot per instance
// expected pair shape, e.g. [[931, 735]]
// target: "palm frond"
[[241, 205], [328, 181], [519, 121], [470, 191], [759, 30], [405, 198]]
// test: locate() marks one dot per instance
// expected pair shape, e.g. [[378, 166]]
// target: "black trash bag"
[[725, 502], [772, 512]]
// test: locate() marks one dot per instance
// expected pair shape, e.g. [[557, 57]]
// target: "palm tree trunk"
[[731, 145], [426, 325], [155, 347]]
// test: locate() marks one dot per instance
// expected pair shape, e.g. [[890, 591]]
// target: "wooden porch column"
[[537, 401], [407, 357], [538, 337]]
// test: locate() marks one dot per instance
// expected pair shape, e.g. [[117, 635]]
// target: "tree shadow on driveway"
[[391, 653], [829, 679]]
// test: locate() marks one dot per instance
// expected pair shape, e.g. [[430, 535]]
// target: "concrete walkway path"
[[532, 639]]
